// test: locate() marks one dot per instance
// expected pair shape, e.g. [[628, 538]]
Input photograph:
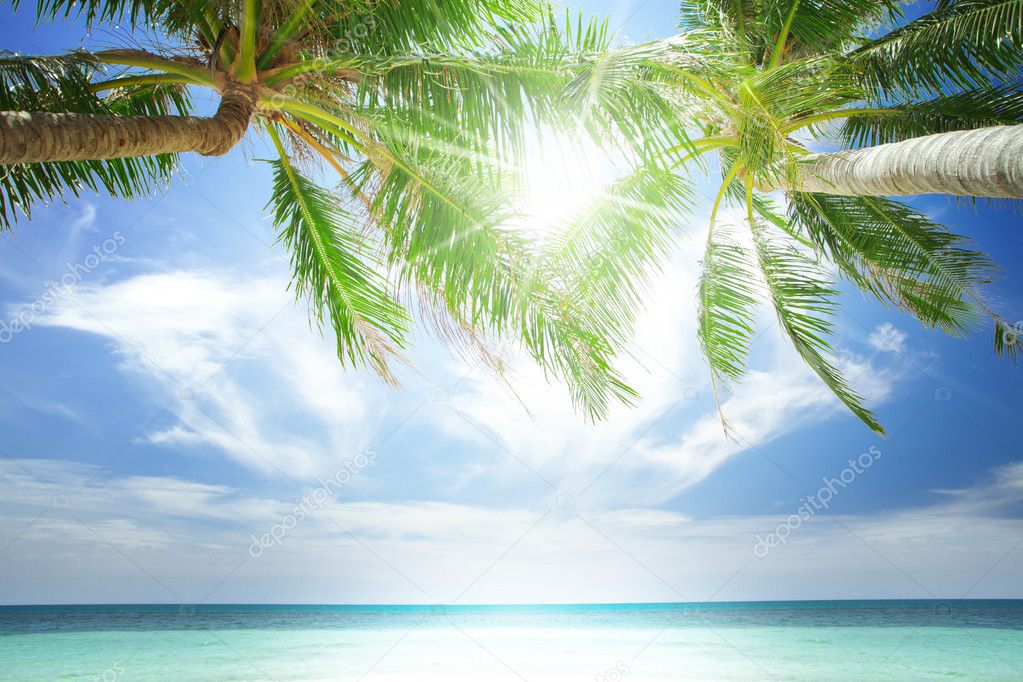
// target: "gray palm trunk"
[[986, 162], [29, 137]]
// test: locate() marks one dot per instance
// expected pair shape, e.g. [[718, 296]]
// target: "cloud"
[[1002, 490], [235, 362], [887, 338], [85, 221], [189, 541], [241, 373], [674, 439]]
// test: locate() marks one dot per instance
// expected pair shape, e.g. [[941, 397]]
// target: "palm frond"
[[336, 272], [448, 227], [976, 108], [899, 256], [92, 12], [958, 45], [174, 17], [388, 28], [726, 299], [821, 27], [150, 100], [804, 302], [48, 83], [607, 254], [808, 28], [618, 96]]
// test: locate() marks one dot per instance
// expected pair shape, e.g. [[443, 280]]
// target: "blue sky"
[[174, 431]]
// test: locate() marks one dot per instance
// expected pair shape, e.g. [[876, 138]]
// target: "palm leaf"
[[976, 108], [959, 44], [607, 254], [447, 225], [333, 268], [899, 256], [803, 301], [726, 300]]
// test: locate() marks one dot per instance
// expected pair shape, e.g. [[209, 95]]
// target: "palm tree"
[[928, 105], [420, 108], [415, 107]]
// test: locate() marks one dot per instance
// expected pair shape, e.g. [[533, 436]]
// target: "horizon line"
[[437, 605]]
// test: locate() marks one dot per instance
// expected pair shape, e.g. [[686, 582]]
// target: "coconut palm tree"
[[413, 108], [419, 106], [923, 105]]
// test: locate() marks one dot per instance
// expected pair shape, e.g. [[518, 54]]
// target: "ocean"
[[834, 640]]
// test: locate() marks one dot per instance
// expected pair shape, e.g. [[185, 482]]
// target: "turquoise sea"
[[838, 640]]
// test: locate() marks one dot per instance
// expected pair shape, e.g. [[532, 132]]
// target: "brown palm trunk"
[[28, 137]]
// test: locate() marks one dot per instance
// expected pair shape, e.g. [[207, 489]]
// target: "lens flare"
[[560, 177]]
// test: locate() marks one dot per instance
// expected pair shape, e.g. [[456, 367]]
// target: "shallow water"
[[881, 640]]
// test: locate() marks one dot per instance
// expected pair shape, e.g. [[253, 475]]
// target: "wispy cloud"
[[193, 538], [885, 337], [235, 362]]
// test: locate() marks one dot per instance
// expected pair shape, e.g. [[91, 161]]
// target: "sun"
[[559, 177]]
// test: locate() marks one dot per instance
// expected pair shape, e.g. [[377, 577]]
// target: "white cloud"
[[189, 536], [674, 439], [1004, 488], [887, 338], [243, 374], [85, 221], [236, 362]]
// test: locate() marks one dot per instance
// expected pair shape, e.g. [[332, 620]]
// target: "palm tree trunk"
[[28, 137], [987, 162]]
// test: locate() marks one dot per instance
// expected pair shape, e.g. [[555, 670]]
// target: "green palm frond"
[[92, 12], [804, 302], [605, 257], [727, 299], [171, 99], [50, 83], [976, 108], [335, 271], [620, 108], [401, 28], [899, 256], [1008, 340], [27, 185], [818, 27], [960, 44], [544, 74], [451, 235], [800, 28], [439, 211], [174, 17]]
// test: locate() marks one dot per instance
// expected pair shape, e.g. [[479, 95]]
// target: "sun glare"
[[560, 177]]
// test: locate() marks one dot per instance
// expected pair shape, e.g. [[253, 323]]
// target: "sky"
[[172, 429]]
